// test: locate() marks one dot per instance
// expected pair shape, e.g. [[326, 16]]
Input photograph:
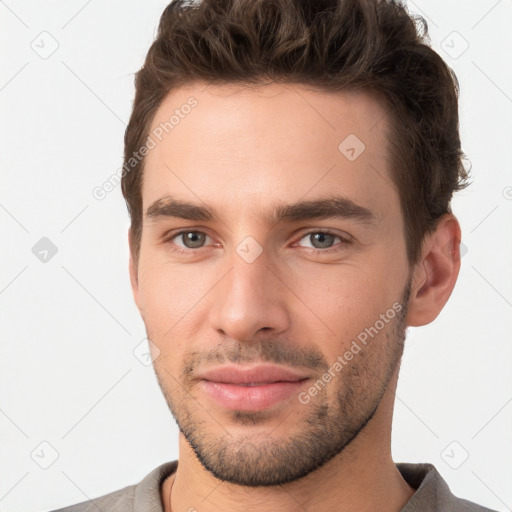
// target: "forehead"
[[255, 145], [280, 110]]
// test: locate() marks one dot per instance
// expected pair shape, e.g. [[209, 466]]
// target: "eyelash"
[[314, 250]]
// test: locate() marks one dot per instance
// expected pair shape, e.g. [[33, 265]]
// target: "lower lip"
[[250, 398]]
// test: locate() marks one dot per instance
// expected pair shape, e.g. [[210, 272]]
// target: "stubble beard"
[[331, 422]]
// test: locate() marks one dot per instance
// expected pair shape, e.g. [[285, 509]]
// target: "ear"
[[134, 274], [435, 275]]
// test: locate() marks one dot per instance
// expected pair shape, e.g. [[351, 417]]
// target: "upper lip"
[[260, 374]]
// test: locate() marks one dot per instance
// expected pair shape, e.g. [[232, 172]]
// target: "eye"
[[320, 242], [323, 241], [189, 239]]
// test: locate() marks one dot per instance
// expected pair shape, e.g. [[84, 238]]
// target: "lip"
[[256, 374], [250, 388]]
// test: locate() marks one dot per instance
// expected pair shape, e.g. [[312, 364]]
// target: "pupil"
[[193, 239], [322, 238]]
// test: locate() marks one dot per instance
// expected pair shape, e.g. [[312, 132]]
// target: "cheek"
[[165, 318], [348, 299], [171, 297]]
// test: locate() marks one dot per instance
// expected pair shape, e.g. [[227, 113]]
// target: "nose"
[[250, 300]]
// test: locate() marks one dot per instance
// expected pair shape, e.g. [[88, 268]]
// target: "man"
[[288, 170]]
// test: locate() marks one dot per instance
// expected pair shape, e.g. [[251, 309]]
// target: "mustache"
[[269, 350]]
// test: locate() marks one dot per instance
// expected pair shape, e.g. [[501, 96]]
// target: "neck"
[[362, 477]]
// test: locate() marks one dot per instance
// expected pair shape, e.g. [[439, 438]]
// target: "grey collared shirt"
[[432, 493]]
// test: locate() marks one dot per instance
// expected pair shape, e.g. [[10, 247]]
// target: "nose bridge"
[[250, 298], [248, 276]]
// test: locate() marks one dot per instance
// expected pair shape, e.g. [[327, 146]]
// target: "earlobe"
[[436, 273]]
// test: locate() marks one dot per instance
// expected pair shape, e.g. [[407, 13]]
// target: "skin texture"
[[241, 151]]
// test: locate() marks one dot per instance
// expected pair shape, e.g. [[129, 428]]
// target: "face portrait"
[[256, 256], [265, 246]]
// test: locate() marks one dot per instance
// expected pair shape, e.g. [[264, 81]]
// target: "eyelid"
[[173, 233], [343, 235]]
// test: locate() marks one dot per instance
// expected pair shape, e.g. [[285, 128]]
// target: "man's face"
[[264, 286]]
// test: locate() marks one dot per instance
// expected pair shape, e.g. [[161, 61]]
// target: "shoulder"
[[432, 492], [121, 500], [142, 496]]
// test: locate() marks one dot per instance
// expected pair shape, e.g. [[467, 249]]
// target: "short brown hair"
[[332, 45]]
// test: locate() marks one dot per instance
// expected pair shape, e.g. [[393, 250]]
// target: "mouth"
[[252, 388]]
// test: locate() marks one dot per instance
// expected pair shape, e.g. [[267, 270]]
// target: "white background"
[[69, 326]]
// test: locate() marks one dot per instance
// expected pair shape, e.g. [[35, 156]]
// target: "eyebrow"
[[331, 207]]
